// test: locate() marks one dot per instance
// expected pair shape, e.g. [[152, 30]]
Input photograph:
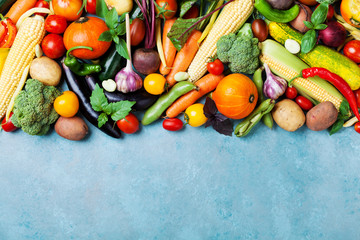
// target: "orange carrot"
[[169, 49], [206, 84], [19, 8], [184, 56]]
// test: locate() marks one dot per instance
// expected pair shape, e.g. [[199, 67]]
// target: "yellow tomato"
[[67, 104], [194, 115], [154, 83]]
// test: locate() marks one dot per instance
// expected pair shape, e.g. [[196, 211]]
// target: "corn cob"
[[20, 56], [231, 18], [289, 67]]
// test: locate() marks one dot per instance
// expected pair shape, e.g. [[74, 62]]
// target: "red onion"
[[334, 35], [274, 86]]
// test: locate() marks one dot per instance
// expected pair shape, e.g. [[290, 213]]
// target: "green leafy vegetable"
[[308, 41], [342, 117], [116, 110], [101, 8], [176, 34], [219, 122], [185, 6]]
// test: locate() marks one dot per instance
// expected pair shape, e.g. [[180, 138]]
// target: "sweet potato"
[[73, 128], [322, 116]]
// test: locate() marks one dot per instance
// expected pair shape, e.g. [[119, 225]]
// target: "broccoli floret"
[[240, 52], [33, 108], [326, 1]]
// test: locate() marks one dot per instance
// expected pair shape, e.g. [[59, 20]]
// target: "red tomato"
[[304, 103], [137, 31], [172, 124], [216, 67], [291, 92], [192, 13], [55, 24], [8, 126], [357, 95], [129, 124], [357, 127], [91, 6], [352, 50], [53, 46], [68, 8], [42, 4], [169, 5]]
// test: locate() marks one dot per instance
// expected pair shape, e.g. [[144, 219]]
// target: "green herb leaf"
[[344, 108], [308, 41], [320, 13], [102, 119], [111, 18], [121, 48], [121, 29], [106, 36], [98, 99], [321, 27], [116, 39], [309, 24], [101, 8], [185, 6], [337, 126], [121, 109], [179, 27]]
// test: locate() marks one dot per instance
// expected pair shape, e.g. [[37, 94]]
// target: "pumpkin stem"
[[251, 98], [82, 20]]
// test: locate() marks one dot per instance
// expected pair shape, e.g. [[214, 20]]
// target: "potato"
[[322, 116], [46, 71], [288, 115], [304, 15], [73, 128]]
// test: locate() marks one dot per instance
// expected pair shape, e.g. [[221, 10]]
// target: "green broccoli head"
[[326, 1], [240, 52], [33, 108]]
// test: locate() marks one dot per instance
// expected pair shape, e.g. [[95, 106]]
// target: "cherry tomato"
[[172, 124], [53, 46], [55, 24], [67, 104], [291, 92], [154, 83], [8, 126], [352, 50], [194, 115], [260, 29], [330, 13], [42, 4], [171, 7], [137, 31], [91, 6], [129, 124], [193, 12], [68, 8], [357, 95], [304, 103], [216, 67], [357, 127]]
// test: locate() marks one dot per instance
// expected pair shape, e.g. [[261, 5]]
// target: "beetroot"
[[334, 35]]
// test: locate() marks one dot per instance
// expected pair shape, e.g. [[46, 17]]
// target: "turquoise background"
[[192, 184]]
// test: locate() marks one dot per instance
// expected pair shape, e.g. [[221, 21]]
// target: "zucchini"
[[320, 56], [5, 5]]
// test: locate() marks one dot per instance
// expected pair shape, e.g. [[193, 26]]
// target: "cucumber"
[[320, 56], [5, 5]]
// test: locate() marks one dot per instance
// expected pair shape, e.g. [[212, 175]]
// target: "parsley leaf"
[[97, 99], [102, 119], [121, 110]]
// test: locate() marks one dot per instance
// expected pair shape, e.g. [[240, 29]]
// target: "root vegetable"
[[288, 115], [146, 60], [322, 116], [73, 128], [46, 71], [304, 15], [281, 4]]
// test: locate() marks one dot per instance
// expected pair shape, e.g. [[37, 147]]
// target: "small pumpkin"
[[350, 11], [235, 96], [86, 32]]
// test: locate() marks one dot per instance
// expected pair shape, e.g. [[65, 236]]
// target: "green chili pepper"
[[155, 111], [243, 128], [276, 15], [81, 69], [267, 119]]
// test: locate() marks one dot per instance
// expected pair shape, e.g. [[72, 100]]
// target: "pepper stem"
[[78, 47]]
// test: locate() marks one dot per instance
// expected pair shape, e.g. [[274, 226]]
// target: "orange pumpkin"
[[86, 32], [350, 11], [235, 96]]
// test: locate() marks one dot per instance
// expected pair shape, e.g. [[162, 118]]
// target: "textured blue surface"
[[193, 184]]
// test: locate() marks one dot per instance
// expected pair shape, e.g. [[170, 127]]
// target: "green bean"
[[155, 111], [243, 128]]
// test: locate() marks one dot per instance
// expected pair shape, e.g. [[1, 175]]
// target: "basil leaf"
[[121, 48], [185, 6], [121, 109], [121, 29], [102, 119], [308, 41], [105, 36], [179, 27], [116, 39], [101, 8], [111, 18], [98, 99], [309, 24], [344, 108], [321, 27], [320, 13], [337, 126]]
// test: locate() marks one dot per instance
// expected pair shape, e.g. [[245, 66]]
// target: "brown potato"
[[73, 128], [322, 116], [288, 115], [46, 71], [304, 15]]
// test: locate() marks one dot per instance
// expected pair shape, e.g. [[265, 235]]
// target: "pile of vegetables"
[[225, 64]]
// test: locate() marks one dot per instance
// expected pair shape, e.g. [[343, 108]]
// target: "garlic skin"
[[127, 80], [274, 86]]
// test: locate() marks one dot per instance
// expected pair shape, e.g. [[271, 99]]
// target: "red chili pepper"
[[338, 82]]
